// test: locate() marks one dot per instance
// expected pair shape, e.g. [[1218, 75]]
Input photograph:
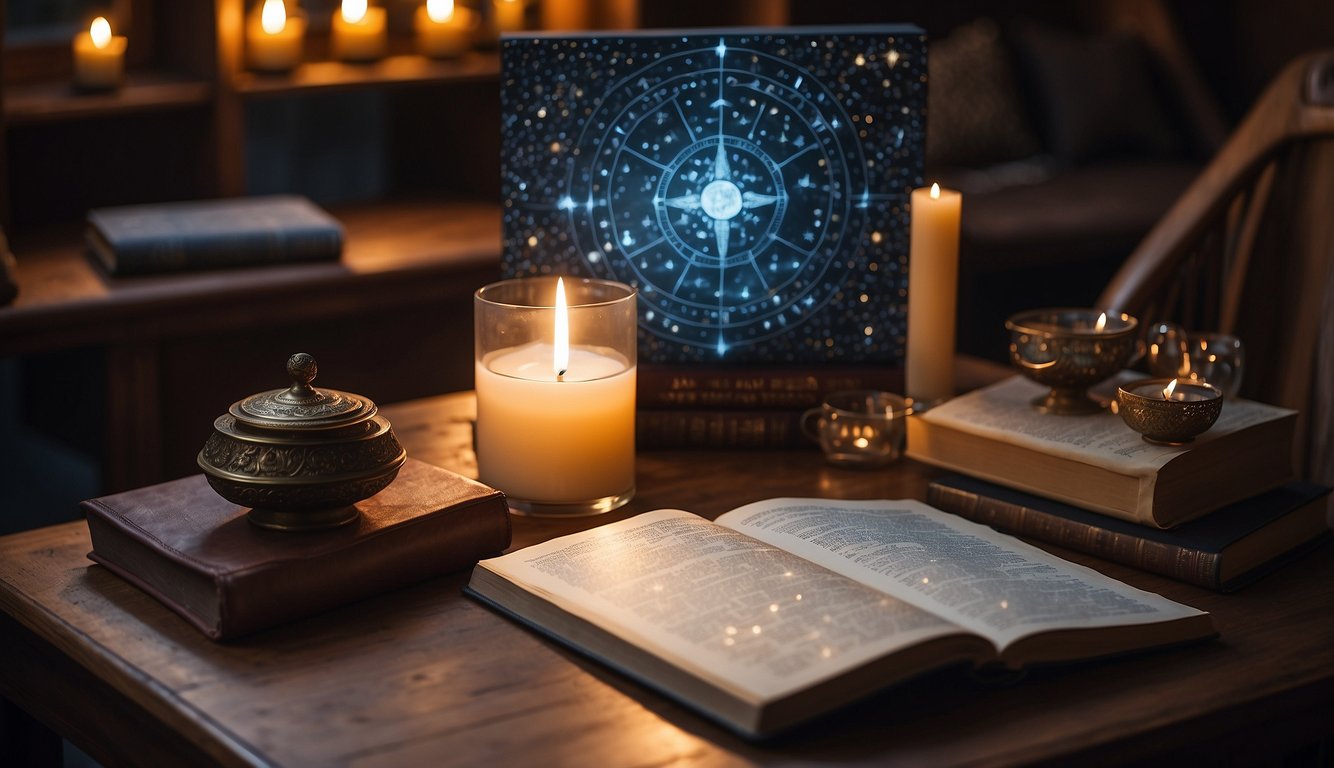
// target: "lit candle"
[[509, 15], [99, 57], [933, 276], [443, 30], [555, 416], [358, 32], [275, 38]]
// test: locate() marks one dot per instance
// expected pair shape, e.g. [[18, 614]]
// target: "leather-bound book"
[[194, 551]]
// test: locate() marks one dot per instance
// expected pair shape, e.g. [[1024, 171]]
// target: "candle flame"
[[935, 191], [560, 356], [1169, 389], [100, 32], [1102, 322], [440, 11], [274, 16], [354, 11]]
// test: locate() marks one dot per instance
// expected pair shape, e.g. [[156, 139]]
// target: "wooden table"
[[425, 676]]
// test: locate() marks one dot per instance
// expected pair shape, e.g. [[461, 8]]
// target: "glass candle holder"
[[555, 383], [858, 428]]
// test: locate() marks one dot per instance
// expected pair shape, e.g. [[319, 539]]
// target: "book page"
[[750, 618], [1003, 412], [989, 582]]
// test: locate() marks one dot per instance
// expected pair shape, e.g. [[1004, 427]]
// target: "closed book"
[[1224, 550], [1096, 462], [194, 551], [212, 234], [689, 428], [754, 387]]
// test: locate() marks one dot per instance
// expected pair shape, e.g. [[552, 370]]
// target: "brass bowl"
[[301, 457], [1169, 422], [1070, 351]]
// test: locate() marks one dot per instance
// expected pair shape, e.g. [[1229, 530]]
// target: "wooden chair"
[[1249, 250]]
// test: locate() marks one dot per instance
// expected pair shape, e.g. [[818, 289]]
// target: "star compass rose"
[[720, 201]]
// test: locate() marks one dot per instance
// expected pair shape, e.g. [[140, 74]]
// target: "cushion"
[[974, 113], [1096, 94]]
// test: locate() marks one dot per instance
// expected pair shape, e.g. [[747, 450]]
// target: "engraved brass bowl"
[[1169, 422], [1070, 350], [300, 457]]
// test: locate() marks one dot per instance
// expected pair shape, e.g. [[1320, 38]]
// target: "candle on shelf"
[[443, 30], [933, 277], [99, 57], [555, 383], [274, 37], [509, 15], [358, 32]]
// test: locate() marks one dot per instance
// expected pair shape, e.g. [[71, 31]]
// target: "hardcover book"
[[753, 185], [195, 552], [787, 608], [661, 429], [212, 234], [1224, 550], [1097, 462]]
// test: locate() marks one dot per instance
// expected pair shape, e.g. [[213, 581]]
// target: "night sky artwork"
[[752, 185]]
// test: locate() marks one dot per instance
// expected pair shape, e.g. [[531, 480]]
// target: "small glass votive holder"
[[858, 428], [555, 382], [1215, 358], [1169, 411]]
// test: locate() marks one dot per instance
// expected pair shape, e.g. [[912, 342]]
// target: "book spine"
[[707, 387], [179, 253], [667, 429], [1189, 565]]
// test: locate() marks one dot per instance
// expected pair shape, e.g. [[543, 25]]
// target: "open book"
[[786, 608]]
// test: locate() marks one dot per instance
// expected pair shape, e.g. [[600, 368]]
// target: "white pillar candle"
[[443, 29], [933, 278], [358, 32], [274, 38], [99, 57]]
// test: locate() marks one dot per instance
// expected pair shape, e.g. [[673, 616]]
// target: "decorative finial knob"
[[303, 369]]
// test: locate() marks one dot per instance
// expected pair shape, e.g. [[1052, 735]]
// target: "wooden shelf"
[[409, 69], [144, 90]]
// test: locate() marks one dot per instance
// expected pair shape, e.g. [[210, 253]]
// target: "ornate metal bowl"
[[1169, 422], [301, 457], [1070, 350]]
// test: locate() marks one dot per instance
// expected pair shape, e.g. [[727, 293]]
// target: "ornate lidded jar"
[[300, 457]]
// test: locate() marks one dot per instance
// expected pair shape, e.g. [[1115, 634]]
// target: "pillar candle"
[[509, 15], [443, 29], [358, 32], [99, 57], [933, 276], [274, 37]]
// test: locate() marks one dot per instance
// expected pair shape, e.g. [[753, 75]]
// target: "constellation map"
[[751, 185]]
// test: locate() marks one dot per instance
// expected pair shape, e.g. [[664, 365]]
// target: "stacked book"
[[1218, 512]]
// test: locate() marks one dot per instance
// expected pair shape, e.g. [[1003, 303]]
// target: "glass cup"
[[858, 428], [1214, 358]]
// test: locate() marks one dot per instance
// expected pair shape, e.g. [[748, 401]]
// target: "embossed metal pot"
[[301, 457]]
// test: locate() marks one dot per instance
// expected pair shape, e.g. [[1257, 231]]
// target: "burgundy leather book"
[[188, 547]]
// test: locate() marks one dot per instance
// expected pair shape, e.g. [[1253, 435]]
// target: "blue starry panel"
[[751, 184]]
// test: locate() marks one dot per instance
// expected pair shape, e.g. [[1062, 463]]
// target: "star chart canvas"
[[752, 185]]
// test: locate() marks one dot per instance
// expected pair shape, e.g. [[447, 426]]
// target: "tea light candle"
[[275, 38], [933, 277], [358, 32], [1180, 391], [443, 30], [509, 15], [556, 417], [99, 57]]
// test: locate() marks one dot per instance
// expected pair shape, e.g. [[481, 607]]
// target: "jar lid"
[[301, 406]]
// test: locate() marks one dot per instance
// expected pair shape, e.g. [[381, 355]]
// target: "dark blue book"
[[212, 234], [1224, 550]]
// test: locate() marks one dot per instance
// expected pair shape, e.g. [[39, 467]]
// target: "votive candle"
[[99, 57]]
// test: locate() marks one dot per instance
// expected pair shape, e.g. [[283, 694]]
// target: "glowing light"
[[440, 11], [560, 355], [354, 11], [100, 32], [274, 17], [1169, 389], [773, 607], [755, 630], [1101, 324], [935, 191]]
